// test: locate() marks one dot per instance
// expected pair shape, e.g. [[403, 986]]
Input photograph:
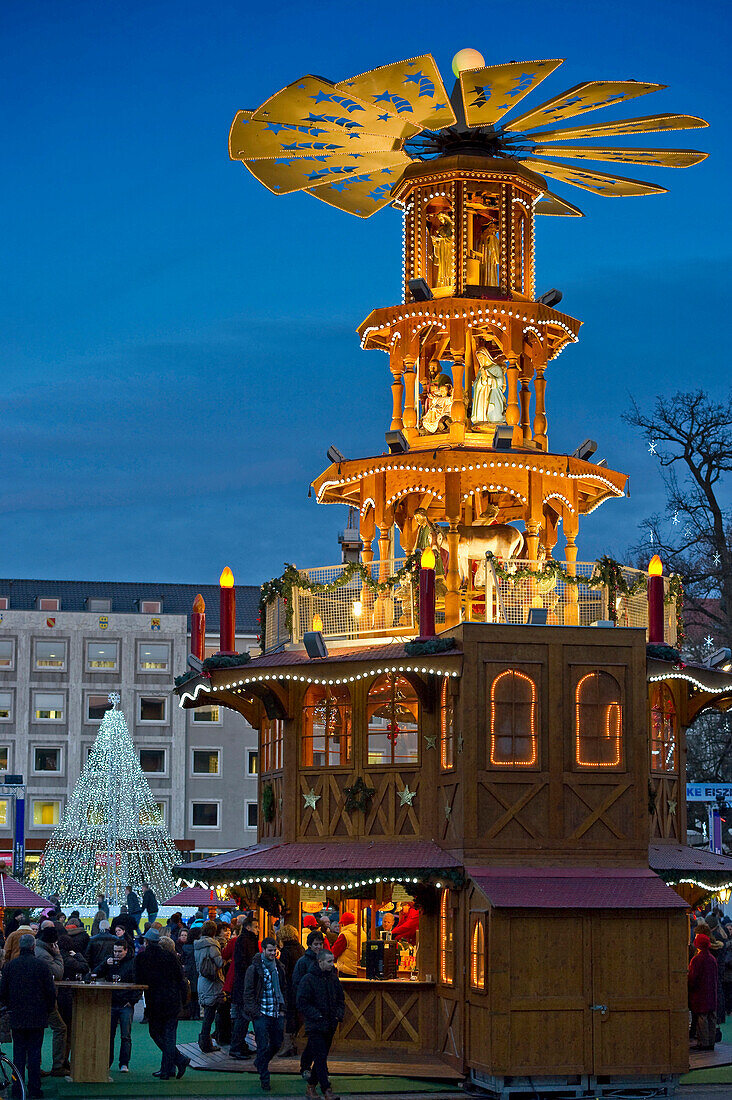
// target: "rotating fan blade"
[[648, 124], [312, 101], [282, 175], [411, 89], [599, 182], [249, 140], [659, 158], [589, 96], [489, 93], [365, 194], [558, 207]]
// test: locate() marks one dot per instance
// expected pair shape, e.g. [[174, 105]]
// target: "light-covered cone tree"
[[111, 833]]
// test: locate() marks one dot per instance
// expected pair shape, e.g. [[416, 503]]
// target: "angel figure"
[[441, 234], [489, 391]]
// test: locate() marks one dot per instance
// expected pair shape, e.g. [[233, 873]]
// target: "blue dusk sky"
[[179, 346]]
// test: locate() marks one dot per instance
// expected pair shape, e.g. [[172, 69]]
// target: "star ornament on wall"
[[430, 742], [310, 799], [406, 797]]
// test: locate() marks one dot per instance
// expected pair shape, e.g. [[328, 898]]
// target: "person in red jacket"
[[703, 992], [408, 924]]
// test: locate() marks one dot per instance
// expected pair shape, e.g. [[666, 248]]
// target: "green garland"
[[431, 645], [359, 796], [281, 587], [268, 802]]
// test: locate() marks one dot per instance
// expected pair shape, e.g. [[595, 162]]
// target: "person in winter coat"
[[120, 967], [246, 946], [99, 916], [209, 963], [320, 1000], [291, 950], [408, 924], [309, 924], [78, 935], [12, 943], [174, 925], [134, 907], [345, 948], [47, 950], [160, 971], [13, 922], [100, 946], [26, 987], [149, 902], [184, 951], [308, 962], [702, 982], [264, 1004]]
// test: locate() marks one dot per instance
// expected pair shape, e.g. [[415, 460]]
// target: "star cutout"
[[440, 106], [717, 557], [431, 742], [675, 519], [652, 446], [310, 799], [275, 127], [384, 118], [672, 805], [406, 797], [385, 96], [448, 811]]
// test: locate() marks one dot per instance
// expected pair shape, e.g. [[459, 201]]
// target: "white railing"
[[352, 610]]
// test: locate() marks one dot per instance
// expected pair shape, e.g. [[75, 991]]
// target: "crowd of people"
[[217, 971], [710, 976]]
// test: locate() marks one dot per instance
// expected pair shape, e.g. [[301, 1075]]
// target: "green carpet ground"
[[139, 1082], [719, 1075]]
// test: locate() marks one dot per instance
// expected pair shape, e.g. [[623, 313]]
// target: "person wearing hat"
[[47, 950], [100, 946], [345, 948], [309, 924], [702, 983], [209, 964], [161, 972], [26, 987]]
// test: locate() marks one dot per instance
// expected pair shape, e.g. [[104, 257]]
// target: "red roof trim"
[[336, 855]]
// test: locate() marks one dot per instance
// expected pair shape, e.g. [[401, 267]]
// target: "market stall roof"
[[308, 858], [200, 895], [574, 888], [13, 893], [678, 863], [715, 681]]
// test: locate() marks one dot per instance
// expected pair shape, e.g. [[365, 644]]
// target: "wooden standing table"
[[90, 1027]]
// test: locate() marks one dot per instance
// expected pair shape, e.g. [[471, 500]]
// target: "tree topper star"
[[652, 446], [311, 798], [114, 698], [406, 797]]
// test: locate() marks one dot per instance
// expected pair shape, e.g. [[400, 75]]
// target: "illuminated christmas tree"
[[112, 833]]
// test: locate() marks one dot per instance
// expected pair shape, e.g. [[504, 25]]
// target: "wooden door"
[[638, 977]]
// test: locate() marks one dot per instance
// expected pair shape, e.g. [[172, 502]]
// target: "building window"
[[326, 726], [598, 721], [6, 706], [206, 762], [253, 762], [393, 717], [4, 603], [4, 758], [48, 707], [45, 604], [153, 656], [98, 604], [252, 815], [447, 727], [4, 813], [477, 954], [513, 720], [46, 760], [101, 655], [664, 723], [204, 815], [152, 708], [446, 940], [7, 653], [210, 714], [46, 813], [150, 607], [50, 655], [272, 741], [152, 761], [96, 707]]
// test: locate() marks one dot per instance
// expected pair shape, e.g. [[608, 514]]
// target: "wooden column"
[[457, 350], [512, 405], [534, 515], [571, 527], [397, 387], [525, 398], [540, 423], [452, 580]]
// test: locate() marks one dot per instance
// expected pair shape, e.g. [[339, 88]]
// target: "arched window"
[[326, 726], [272, 742], [477, 954], [447, 727], [514, 739], [393, 717], [446, 940], [664, 726], [598, 721]]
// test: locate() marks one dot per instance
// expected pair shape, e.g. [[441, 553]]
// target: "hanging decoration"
[[268, 802], [358, 797]]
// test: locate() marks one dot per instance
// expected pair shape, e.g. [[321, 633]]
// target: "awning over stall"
[[574, 888], [678, 864]]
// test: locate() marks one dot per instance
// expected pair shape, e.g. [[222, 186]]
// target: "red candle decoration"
[[427, 594], [227, 625], [655, 601], [198, 628]]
